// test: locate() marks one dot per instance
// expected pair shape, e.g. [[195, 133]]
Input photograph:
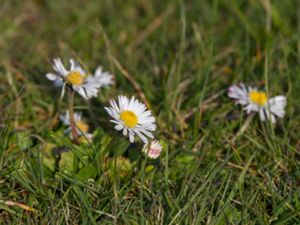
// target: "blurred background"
[[170, 48]]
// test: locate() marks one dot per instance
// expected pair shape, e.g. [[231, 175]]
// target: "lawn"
[[218, 165]]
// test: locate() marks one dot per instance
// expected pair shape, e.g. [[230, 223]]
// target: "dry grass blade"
[[132, 81], [22, 206]]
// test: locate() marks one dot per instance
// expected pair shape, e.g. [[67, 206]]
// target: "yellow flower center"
[[84, 127], [129, 118], [258, 97], [74, 77]]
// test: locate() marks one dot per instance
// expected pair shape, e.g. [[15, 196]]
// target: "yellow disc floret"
[[82, 126], [75, 78], [258, 97], [129, 118]]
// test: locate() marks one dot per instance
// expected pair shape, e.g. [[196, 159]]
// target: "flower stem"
[[243, 128], [71, 114]]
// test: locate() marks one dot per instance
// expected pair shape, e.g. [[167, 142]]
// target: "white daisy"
[[132, 117], [104, 78], [82, 127], [258, 101], [152, 150], [86, 85]]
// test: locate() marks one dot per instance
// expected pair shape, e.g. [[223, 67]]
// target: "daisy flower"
[[132, 117], [255, 100], [153, 149], [104, 78], [82, 127], [84, 84]]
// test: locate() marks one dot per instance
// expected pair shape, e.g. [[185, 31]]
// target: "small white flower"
[[104, 78], [153, 149], [258, 101], [82, 127], [83, 83], [132, 117]]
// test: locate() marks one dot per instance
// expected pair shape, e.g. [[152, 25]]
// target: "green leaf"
[[87, 172], [48, 157], [67, 161]]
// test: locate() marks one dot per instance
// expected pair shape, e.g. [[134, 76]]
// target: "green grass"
[[182, 55]]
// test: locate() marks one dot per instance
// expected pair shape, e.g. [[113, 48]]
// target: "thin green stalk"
[[71, 114], [144, 162], [115, 182], [115, 189]]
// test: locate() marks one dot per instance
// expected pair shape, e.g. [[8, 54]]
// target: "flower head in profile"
[[255, 100], [105, 79], [84, 84], [152, 150], [132, 117], [82, 127]]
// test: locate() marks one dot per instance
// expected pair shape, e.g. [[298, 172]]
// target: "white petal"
[[58, 83], [81, 91], [262, 115], [119, 127], [131, 138], [239, 93], [142, 137], [277, 105], [52, 76], [59, 67]]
